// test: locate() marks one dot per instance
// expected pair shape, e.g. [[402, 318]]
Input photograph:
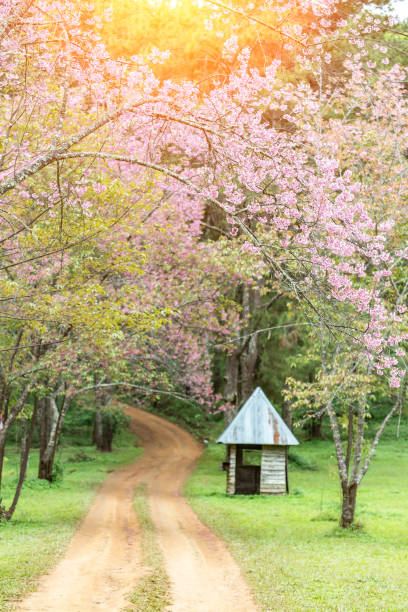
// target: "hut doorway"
[[248, 470]]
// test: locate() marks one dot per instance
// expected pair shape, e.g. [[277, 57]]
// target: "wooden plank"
[[273, 475], [231, 470]]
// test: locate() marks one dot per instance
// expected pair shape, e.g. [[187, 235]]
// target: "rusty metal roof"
[[258, 423]]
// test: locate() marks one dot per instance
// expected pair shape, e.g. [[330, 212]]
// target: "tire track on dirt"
[[103, 561]]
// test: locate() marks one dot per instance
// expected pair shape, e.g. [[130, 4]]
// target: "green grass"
[[152, 593], [48, 513], [291, 549]]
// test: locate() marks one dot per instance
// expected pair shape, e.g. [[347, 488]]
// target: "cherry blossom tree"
[[371, 146], [84, 137]]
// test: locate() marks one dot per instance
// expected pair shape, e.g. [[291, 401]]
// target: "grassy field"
[[47, 513], [291, 549]]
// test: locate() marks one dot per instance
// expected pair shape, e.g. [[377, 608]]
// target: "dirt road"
[[103, 563]]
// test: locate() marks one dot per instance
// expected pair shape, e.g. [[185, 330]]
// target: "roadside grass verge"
[[152, 594], [47, 514], [290, 548]]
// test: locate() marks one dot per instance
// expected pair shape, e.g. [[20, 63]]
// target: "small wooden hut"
[[257, 448]]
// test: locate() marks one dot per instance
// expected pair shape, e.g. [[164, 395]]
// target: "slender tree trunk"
[[43, 425], [3, 439], [61, 418], [3, 443], [10, 413], [248, 363], [2, 449], [350, 436], [231, 392], [103, 432], [48, 429], [349, 504], [98, 430], [25, 450], [9, 419], [107, 435], [241, 363], [287, 415], [316, 428], [57, 419], [23, 446], [249, 355]]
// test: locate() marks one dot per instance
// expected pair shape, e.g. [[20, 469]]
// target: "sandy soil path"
[[103, 560]]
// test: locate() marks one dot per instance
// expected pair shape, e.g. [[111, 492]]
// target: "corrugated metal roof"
[[258, 423]]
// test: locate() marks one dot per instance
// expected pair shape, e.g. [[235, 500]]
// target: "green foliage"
[[288, 339], [79, 419], [80, 457], [290, 548], [301, 462], [57, 473], [191, 416], [79, 423], [114, 417], [39, 484]]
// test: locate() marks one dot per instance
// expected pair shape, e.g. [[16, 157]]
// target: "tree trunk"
[[241, 363], [56, 419], [231, 392], [316, 428], [248, 362], [107, 435], [103, 426], [43, 425], [107, 439], [98, 430], [48, 428], [8, 420], [249, 355], [2, 449], [287, 415], [349, 504], [25, 450], [45, 469], [350, 436], [3, 441]]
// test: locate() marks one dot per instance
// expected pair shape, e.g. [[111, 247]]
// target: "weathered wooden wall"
[[232, 458], [273, 470]]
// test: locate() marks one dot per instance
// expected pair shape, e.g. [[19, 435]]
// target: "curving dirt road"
[[102, 563]]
